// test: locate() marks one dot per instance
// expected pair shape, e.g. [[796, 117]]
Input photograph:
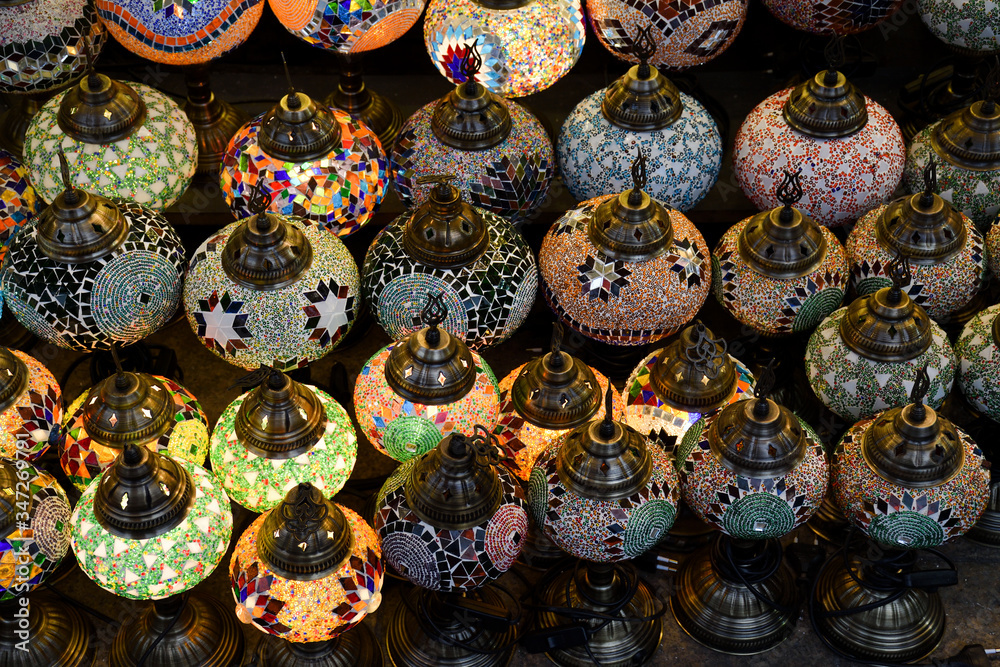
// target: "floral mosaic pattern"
[[31, 423], [19, 202], [968, 24], [836, 17], [979, 363], [346, 26]]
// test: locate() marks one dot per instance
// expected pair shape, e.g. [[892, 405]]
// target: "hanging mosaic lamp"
[[19, 202], [862, 358], [624, 269], [833, 17], [499, 152], [476, 261], [271, 290], [122, 140], [31, 406], [316, 163], [88, 271], [605, 495], [675, 386], [152, 528], [943, 246], [754, 471], [967, 25], [519, 56], [278, 435], [414, 392], [308, 571], [978, 352], [778, 272], [849, 148]]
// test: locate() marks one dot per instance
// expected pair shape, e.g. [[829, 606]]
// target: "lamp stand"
[[354, 648], [987, 529], [14, 122], [829, 523], [215, 122], [933, 95], [379, 113], [57, 634], [538, 551]]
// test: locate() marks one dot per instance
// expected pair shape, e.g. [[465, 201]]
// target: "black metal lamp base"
[[379, 113], [215, 121], [355, 648], [57, 634]]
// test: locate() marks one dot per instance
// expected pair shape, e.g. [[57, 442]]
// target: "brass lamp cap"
[[970, 138], [643, 100], [297, 129], [14, 376], [306, 537], [127, 407], [827, 106], [281, 418], [694, 373], [471, 118], [99, 110], [445, 232]]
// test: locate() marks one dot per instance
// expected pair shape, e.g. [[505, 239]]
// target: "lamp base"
[[14, 122], [987, 529], [538, 551], [380, 114], [600, 588], [829, 523], [717, 609], [354, 648], [215, 122], [57, 634], [688, 532], [205, 634]]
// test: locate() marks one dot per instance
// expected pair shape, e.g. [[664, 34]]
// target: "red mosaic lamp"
[[827, 17], [31, 406]]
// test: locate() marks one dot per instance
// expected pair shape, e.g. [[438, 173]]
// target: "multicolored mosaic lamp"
[[520, 56], [152, 528], [88, 271], [605, 494], [861, 359], [308, 571], [316, 163], [278, 435], [779, 272], [624, 269], [849, 148], [978, 352], [31, 406], [908, 479], [641, 109], [476, 261], [833, 17], [271, 290], [414, 392], [500, 153], [754, 471], [450, 521], [968, 26], [943, 246], [19, 202]]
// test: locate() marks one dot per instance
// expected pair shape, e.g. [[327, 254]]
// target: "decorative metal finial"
[[608, 425], [486, 445], [93, 81], [121, 380], [70, 195], [898, 271], [763, 389], [470, 65], [835, 57], [705, 352], [432, 315], [556, 359], [638, 178], [930, 184], [304, 518], [293, 97], [260, 201], [789, 192], [921, 385], [255, 378], [643, 48], [991, 88]]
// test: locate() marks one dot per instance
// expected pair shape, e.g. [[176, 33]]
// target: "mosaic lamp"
[[271, 290], [279, 435], [861, 359], [754, 471], [475, 260], [978, 352], [308, 571], [625, 269], [779, 272], [833, 17], [969, 27], [19, 202], [908, 479], [526, 45], [499, 151], [849, 148], [31, 406], [641, 109], [123, 140], [605, 494], [316, 162], [89, 271], [993, 247], [151, 528], [412, 393], [450, 522], [943, 246], [130, 408]]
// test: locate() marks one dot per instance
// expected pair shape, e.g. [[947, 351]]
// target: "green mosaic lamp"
[[278, 435], [152, 528]]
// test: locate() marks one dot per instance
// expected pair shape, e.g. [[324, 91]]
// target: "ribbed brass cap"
[[643, 100], [299, 130], [445, 232], [827, 106], [970, 138], [127, 407], [280, 419], [694, 373], [14, 376], [99, 110]]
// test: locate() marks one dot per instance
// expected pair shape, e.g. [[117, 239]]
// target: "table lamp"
[[19, 202], [31, 406], [978, 361]]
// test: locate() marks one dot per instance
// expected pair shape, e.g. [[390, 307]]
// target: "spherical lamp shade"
[[148, 157], [849, 165], [278, 436], [149, 410], [450, 520], [345, 27], [164, 539], [36, 527], [306, 577], [968, 25], [334, 173], [30, 406], [43, 43], [180, 32], [18, 200], [979, 361], [476, 260], [519, 57], [271, 290], [832, 17]]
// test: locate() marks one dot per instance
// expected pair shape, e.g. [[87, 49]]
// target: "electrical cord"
[[76, 603], [728, 551], [440, 635], [163, 633]]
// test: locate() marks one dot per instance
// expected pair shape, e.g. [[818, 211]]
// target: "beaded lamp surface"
[[347, 27], [19, 202], [519, 58], [35, 533], [969, 25], [334, 581], [31, 406], [945, 250], [833, 16], [993, 247], [978, 352]]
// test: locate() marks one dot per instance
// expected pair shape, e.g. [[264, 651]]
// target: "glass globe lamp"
[[943, 246], [271, 290], [476, 261], [31, 406], [849, 148], [412, 393], [19, 202], [831, 17], [968, 26], [978, 360], [308, 571], [89, 271], [623, 269], [779, 272], [279, 435]]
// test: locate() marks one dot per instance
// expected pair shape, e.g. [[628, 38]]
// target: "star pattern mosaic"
[[348, 26], [19, 202], [30, 423], [968, 24], [979, 363], [833, 17]]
